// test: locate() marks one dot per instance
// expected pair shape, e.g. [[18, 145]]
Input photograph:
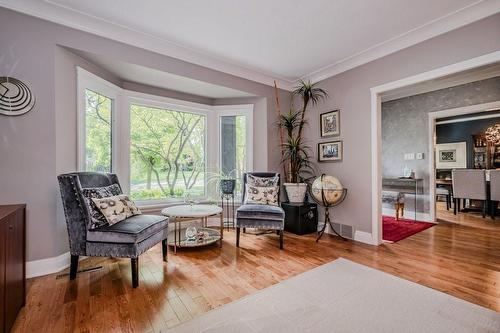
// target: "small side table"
[[227, 198], [301, 218], [181, 213]]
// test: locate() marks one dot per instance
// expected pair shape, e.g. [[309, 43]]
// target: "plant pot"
[[296, 192], [227, 186]]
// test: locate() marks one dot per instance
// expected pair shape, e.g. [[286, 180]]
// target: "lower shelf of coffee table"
[[213, 237]]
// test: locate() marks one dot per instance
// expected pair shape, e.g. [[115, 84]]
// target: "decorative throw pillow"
[[261, 195], [96, 217], [262, 181], [116, 208]]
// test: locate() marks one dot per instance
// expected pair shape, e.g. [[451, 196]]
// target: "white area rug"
[[343, 296]]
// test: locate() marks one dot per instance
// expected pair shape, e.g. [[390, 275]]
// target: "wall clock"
[[15, 97]]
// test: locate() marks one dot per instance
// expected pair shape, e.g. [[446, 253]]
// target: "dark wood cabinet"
[[12, 263], [301, 218]]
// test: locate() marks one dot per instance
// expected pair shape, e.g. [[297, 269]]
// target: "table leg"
[[175, 236], [221, 228], [179, 233]]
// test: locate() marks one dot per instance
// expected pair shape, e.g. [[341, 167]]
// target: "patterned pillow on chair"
[[262, 181], [116, 208], [96, 217], [261, 195]]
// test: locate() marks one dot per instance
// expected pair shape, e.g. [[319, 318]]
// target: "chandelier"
[[493, 134]]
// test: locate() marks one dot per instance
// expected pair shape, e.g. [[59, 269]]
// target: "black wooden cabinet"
[[12, 263], [301, 218]]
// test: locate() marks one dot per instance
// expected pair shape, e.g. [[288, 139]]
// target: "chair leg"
[[281, 239], [277, 232], [135, 272], [237, 236], [73, 268], [164, 250], [484, 208], [447, 202], [244, 230], [454, 206]]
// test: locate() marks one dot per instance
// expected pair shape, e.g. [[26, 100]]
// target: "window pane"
[[233, 147], [97, 132], [167, 153]]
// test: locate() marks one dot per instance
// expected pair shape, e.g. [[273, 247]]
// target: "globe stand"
[[327, 220], [323, 202]]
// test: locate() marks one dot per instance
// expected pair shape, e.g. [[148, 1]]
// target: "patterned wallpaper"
[[405, 127]]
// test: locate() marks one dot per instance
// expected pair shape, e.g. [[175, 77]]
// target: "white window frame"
[[245, 110], [89, 81], [122, 101], [134, 98]]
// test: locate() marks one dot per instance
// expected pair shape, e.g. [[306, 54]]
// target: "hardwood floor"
[[459, 259]]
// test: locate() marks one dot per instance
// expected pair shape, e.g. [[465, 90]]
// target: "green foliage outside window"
[[98, 132], [167, 151]]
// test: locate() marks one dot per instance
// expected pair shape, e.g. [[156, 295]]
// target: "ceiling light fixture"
[[493, 134]]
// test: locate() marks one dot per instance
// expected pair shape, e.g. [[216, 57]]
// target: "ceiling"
[[264, 40], [156, 78]]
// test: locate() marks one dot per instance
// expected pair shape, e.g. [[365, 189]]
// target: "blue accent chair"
[[260, 216]]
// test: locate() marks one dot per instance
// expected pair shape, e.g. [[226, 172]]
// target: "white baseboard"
[[49, 265], [364, 237], [410, 215], [359, 236]]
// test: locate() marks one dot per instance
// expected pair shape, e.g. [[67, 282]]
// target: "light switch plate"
[[409, 156], [420, 156]]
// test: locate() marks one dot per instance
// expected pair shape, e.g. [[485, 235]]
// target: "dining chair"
[[469, 184], [444, 192], [494, 191]]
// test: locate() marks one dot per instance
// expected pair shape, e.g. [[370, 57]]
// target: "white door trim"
[[492, 106], [376, 125]]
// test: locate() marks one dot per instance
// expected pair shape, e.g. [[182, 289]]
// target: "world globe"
[[330, 186]]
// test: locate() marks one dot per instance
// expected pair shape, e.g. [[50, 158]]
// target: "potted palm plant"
[[295, 153]]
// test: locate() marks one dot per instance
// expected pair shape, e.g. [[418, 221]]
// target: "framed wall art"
[[451, 155], [330, 151], [329, 123]]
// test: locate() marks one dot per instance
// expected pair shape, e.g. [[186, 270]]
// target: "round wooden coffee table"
[[182, 213]]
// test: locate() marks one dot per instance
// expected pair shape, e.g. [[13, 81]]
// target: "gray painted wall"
[[350, 92], [405, 128], [35, 147]]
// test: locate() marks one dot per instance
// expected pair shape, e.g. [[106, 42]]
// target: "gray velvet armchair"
[[126, 239], [260, 216]]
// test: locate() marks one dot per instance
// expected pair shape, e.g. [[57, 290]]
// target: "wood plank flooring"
[[462, 260]]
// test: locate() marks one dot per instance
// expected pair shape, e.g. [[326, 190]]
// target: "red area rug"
[[395, 230]]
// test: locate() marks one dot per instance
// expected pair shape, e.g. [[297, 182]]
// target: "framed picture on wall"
[[329, 123], [330, 151], [451, 155]]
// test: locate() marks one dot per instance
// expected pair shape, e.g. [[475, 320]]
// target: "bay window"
[[162, 149], [98, 131], [167, 153]]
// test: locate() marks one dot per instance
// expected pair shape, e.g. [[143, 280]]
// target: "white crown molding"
[[459, 18], [97, 26], [69, 17]]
